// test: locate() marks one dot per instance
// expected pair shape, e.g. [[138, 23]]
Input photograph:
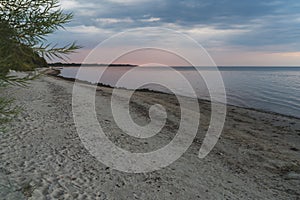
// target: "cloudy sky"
[[234, 32]]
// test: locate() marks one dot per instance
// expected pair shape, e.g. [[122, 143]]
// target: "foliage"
[[24, 26]]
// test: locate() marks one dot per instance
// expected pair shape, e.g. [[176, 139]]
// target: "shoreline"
[[42, 156], [56, 74]]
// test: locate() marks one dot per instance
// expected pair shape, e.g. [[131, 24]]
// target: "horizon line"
[[136, 65]]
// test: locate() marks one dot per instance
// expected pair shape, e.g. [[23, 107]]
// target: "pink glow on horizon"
[[221, 58]]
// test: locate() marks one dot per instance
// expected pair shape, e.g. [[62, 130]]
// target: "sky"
[[233, 32]]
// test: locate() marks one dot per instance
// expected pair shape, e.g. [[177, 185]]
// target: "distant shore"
[[59, 64], [89, 65], [42, 155]]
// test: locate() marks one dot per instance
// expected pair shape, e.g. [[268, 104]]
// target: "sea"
[[273, 89]]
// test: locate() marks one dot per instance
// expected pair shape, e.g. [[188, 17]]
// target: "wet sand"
[[42, 157]]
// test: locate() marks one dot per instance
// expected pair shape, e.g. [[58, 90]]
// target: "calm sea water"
[[275, 89]]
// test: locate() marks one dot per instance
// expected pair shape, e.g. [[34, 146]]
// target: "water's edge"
[[56, 73]]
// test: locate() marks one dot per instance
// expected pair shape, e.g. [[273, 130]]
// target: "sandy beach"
[[42, 157]]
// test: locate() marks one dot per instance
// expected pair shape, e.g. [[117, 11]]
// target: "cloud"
[[114, 20], [257, 25], [152, 19], [69, 4], [128, 1], [288, 54], [86, 29], [212, 32], [76, 5]]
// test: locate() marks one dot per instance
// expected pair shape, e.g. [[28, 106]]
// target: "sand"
[[42, 157]]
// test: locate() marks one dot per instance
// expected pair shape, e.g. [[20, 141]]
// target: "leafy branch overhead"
[[24, 26]]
